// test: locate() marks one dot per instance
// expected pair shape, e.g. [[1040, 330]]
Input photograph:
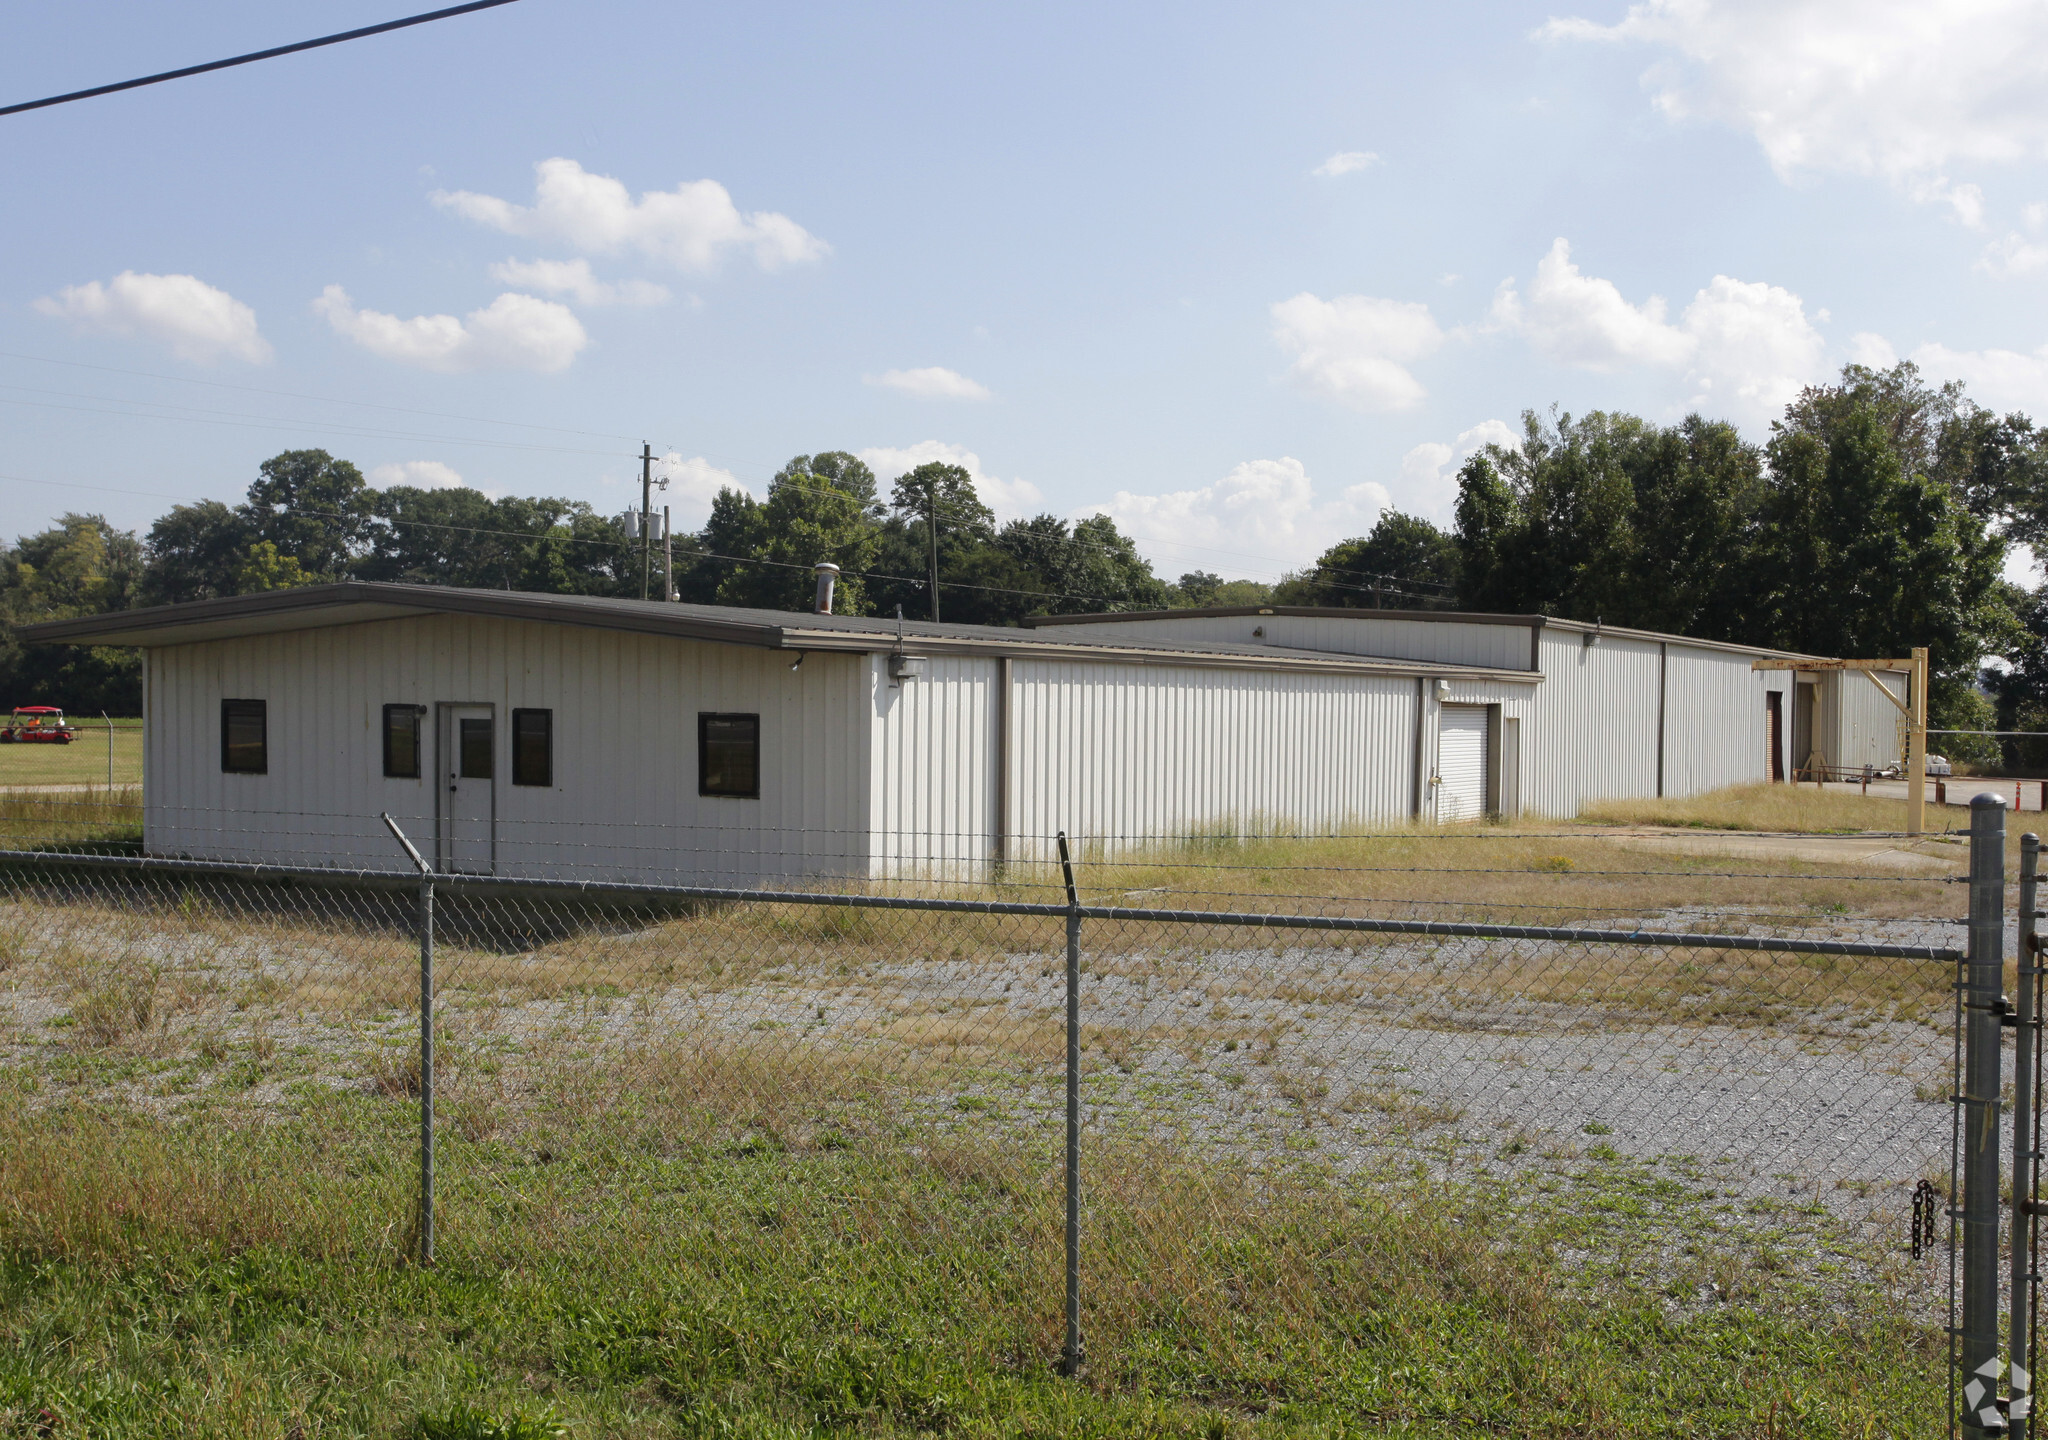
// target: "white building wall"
[[932, 781], [1867, 728], [1494, 647], [1595, 732], [1113, 754], [1714, 719], [624, 802]]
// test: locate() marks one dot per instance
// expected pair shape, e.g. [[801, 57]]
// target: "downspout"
[[1000, 850], [1663, 667], [1421, 728]]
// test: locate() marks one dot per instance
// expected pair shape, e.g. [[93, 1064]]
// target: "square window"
[[533, 747], [244, 747], [729, 755], [402, 741]]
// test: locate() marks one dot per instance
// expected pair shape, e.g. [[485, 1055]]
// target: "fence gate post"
[[426, 929], [1983, 1012], [2026, 1159], [427, 1069], [1070, 1353]]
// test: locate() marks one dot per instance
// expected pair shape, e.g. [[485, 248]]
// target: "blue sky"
[[1239, 275]]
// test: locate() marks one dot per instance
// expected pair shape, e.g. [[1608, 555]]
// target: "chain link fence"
[[1699, 1108]]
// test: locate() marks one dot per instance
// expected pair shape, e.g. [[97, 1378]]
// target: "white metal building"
[[574, 736]]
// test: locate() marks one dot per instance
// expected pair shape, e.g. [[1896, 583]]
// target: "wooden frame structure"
[[1913, 706]]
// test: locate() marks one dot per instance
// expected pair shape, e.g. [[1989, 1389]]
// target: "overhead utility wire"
[[251, 58]]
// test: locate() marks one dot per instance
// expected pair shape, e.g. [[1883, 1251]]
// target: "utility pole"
[[668, 559], [646, 510], [932, 519]]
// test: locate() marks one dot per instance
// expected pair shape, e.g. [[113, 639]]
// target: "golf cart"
[[37, 725]]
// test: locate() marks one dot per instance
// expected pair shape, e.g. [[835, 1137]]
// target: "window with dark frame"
[[729, 755], [402, 741], [533, 747], [244, 739]]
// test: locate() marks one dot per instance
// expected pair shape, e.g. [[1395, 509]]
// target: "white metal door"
[[1461, 763], [468, 753]]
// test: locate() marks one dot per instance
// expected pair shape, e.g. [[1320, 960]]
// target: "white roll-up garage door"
[[1461, 763]]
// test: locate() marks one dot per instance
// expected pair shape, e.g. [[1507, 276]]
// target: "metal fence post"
[[426, 929], [1070, 1353], [1983, 1012], [2026, 1059]]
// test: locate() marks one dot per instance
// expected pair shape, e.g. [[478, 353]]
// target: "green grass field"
[[83, 762], [664, 1275]]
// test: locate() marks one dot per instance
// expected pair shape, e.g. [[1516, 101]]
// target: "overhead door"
[[1461, 763]]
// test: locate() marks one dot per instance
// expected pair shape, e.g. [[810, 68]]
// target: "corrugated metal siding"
[[932, 792], [624, 802], [1867, 728], [1498, 647], [1713, 720], [1594, 735], [1112, 754]]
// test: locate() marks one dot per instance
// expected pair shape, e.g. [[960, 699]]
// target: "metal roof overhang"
[[1437, 617], [358, 602]]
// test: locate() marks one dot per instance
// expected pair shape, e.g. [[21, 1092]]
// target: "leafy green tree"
[[82, 566], [1856, 556], [314, 508], [1404, 563], [1085, 567], [819, 507], [458, 536], [974, 575], [265, 568], [194, 552], [1202, 589]]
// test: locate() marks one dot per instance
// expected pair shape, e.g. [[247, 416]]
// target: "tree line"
[[311, 518], [1875, 517]]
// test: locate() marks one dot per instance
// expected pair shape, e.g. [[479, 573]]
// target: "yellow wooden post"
[[1916, 747]]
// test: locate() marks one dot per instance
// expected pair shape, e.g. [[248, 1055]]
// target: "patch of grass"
[[92, 818], [206, 1280], [1834, 809], [83, 762]]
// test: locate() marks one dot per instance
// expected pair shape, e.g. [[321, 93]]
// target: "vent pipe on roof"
[[827, 573]]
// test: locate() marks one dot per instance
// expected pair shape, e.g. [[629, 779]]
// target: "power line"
[[254, 56]]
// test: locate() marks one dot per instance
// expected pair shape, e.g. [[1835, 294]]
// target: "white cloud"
[[693, 484], [573, 278], [691, 227], [1999, 379], [1346, 161], [199, 323], [1575, 319], [421, 474], [1010, 499], [2013, 255], [1429, 471], [1755, 347], [933, 382], [1263, 517], [1875, 351], [1745, 346], [1893, 88], [513, 332], [1356, 348]]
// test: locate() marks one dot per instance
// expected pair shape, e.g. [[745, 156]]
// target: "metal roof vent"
[[827, 574]]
